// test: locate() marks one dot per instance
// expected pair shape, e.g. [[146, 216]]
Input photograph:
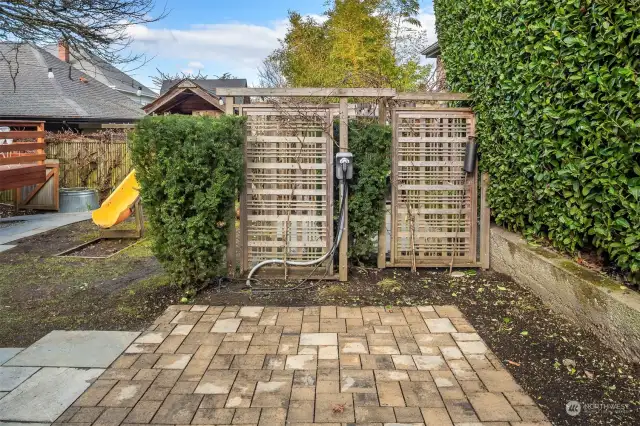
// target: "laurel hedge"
[[557, 96], [189, 169], [370, 144]]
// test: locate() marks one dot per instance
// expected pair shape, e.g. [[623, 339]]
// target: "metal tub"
[[74, 200]]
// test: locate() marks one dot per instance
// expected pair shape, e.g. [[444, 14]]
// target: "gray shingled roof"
[[104, 72], [207, 84], [64, 96], [432, 51]]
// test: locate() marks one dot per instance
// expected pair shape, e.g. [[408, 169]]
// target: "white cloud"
[[195, 64], [235, 45], [428, 21]]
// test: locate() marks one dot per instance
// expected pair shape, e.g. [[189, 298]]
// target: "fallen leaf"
[[589, 374], [338, 408], [502, 288], [524, 333]]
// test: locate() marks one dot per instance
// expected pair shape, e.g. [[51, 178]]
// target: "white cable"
[[344, 191]]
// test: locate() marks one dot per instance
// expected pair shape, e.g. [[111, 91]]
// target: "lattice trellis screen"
[[287, 205], [434, 208]]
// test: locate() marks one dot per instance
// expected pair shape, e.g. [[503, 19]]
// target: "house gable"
[[185, 97]]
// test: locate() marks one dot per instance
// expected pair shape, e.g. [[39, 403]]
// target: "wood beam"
[[485, 223], [382, 231], [22, 146], [229, 105], [162, 100], [433, 96], [340, 92], [23, 159], [231, 230], [307, 92], [21, 134], [207, 97], [19, 123]]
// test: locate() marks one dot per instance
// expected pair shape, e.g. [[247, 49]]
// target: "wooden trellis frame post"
[[383, 95], [382, 232], [344, 147], [231, 236], [485, 223]]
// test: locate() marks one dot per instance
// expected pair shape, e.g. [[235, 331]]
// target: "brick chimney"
[[63, 51]]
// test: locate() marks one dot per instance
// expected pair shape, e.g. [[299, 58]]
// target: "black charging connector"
[[470, 155]]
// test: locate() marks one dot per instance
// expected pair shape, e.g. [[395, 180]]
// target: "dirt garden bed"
[[8, 210], [554, 361], [40, 292], [100, 248]]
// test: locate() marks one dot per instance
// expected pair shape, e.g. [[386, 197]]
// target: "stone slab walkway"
[[39, 383], [211, 365], [17, 227]]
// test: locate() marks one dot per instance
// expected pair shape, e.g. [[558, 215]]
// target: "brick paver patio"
[[211, 365]]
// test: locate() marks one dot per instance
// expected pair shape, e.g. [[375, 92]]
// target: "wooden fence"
[[88, 163], [434, 202], [287, 205]]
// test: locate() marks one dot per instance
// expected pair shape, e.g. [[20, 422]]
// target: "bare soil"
[[7, 210], [551, 358], [40, 292], [102, 248]]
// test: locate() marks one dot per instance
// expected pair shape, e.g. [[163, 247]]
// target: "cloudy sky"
[[217, 36]]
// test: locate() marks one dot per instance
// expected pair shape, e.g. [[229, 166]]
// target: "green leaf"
[[559, 138], [622, 222]]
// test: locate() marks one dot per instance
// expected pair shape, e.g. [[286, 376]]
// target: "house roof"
[[104, 72], [207, 84], [432, 51], [71, 94], [178, 92]]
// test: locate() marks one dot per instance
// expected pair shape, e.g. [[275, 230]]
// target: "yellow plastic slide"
[[119, 205]]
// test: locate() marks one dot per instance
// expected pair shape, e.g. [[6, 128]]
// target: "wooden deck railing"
[[22, 161]]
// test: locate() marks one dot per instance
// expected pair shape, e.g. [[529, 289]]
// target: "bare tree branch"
[[93, 30], [270, 73]]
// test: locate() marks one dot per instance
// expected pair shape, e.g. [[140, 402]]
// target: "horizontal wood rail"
[[21, 134], [20, 123], [341, 92], [22, 159], [22, 146], [29, 174], [306, 92], [22, 164], [432, 96]]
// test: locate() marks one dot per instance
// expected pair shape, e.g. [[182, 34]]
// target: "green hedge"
[[370, 144], [557, 97], [189, 169]]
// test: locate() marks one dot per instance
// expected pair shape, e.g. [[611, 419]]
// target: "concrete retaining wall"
[[594, 302]]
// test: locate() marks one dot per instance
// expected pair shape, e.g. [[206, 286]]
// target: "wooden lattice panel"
[[433, 199], [287, 202]]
